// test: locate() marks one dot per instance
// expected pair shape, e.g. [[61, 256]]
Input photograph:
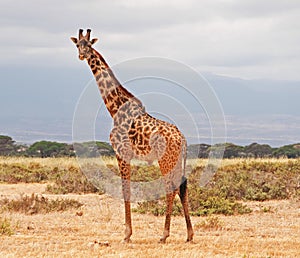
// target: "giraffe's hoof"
[[126, 241], [162, 240], [190, 237]]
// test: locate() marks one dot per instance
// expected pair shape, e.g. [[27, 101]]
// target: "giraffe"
[[136, 134]]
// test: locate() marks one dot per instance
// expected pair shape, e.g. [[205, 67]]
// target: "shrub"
[[17, 172], [38, 204], [219, 205], [158, 207], [258, 180], [71, 180], [254, 180], [6, 227]]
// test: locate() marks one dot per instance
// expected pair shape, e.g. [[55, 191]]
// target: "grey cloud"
[[223, 36]]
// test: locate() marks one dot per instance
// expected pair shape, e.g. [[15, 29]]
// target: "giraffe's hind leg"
[[172, 177], [183, 194], [169, 200]]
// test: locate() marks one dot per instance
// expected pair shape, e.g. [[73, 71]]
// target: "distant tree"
[[233, 151], [198, 150], [258, 150], [50, 149], [289, 151], [105, 149], [93, 149], [21, 150], [7, 146]]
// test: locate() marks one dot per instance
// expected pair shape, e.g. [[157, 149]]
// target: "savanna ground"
[[95, 229]]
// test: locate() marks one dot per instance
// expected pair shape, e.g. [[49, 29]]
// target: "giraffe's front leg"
[[128, 225], [125, 174]]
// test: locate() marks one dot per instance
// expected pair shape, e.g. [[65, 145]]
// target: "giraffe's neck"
[[113, 93]]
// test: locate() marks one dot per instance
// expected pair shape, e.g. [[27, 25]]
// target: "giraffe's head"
[[84, 44]]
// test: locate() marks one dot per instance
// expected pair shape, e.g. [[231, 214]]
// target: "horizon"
[[200, 143]]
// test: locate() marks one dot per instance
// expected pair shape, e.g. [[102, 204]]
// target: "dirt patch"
[[13, 190]]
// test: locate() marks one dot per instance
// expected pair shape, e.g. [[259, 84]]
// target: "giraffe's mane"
[[124, 91]]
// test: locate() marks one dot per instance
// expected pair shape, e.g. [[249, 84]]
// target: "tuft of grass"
[[6, 228], [266, 209], [210, 223], [158, 207], [38, 204]]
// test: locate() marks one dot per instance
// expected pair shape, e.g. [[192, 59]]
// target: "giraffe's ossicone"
[[138, 135]]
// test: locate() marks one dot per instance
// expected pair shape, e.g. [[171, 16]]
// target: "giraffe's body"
[[136, 134]]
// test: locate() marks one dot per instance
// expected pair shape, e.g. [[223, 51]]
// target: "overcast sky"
[[256, 40], [246, 39]]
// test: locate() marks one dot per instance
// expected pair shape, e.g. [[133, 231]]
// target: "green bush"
[[45, 149], [158, 207], [258, 180], [246, 180]]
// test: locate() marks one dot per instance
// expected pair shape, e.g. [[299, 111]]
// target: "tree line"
[[45, 149], [254, 150], [8, 147]]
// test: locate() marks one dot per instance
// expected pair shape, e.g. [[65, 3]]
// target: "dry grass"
[[96, 230], [49, 162], [34, 203]]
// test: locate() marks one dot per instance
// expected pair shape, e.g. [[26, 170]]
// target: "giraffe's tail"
[[184, 154], [183, 186]]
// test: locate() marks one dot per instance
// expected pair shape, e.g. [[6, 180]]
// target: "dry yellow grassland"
[[96, 229]]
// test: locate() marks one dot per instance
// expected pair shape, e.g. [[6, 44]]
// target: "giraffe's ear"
[[93, 41], [74, 40]]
